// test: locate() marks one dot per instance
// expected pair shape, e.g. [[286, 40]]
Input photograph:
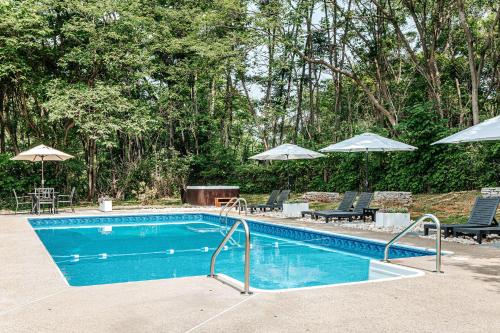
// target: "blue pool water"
[[101, 250]]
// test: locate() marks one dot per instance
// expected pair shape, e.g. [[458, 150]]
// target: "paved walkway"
[[35, 298]]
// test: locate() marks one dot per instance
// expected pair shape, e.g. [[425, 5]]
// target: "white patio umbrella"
[[287, 152], [42, 153], [488, 130], [367, 142]]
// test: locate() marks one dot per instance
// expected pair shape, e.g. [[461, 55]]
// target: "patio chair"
[[479, 232], [345, 205], [358, 212], [66, 199], [282, 197], [23, 201], [482, 215], [45, 197], [270, 201]]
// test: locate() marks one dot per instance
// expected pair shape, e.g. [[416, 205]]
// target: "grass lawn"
[[451, 207]]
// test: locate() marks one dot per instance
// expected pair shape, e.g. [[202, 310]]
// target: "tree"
[[98, 114]]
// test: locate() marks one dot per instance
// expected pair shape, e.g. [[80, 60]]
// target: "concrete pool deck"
[[35, 298]]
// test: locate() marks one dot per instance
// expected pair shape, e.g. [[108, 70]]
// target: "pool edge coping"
[[236, 283]]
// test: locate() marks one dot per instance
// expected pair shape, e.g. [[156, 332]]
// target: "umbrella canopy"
[[488, 130], [42, 153], [287, 152], [367, 142]]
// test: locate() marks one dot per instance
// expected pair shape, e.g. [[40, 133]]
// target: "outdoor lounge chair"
[[479, 232], [344, 206], [358, 212], [270, 201], [482, 215], [282, 197]]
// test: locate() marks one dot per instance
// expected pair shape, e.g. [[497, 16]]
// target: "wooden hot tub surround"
[[206, 195]]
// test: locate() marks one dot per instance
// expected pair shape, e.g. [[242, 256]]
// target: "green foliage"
[[152, 95], [173, 173]]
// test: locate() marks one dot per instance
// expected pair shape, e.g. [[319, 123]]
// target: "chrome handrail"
[[231, 204], [411, 226], [246, 288], [226, 206]]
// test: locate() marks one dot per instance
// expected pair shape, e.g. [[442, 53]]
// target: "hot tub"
[[205, 195]]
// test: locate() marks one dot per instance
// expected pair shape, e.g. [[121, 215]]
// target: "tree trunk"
[[228, 115], [474, 75], [2, 124], [298, 117], [91, 153]]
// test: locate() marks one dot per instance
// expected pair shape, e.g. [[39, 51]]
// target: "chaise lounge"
[[479, 232], [271, 200], [482, 216], [277, 203], [358, 212], [344, 206]]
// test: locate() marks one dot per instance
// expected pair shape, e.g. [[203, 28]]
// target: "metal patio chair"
[[66, 199], [45, 197], [23, 201]]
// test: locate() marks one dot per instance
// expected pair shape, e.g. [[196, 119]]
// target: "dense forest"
[[150, 95]]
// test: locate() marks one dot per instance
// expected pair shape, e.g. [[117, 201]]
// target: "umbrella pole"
[[288, 172], [366, 171], [43, 181]]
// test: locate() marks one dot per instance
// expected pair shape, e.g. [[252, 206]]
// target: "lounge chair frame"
[[479, 232], [282, 197], [357, 213], [270, 201], [345, 205], [482, 216]]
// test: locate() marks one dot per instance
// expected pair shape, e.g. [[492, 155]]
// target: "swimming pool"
[[122, 248]]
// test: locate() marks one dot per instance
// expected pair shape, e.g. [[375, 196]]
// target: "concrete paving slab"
[[35, 298]]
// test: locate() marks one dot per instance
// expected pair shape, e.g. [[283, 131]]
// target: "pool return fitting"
[[246, 286], [409, 228]]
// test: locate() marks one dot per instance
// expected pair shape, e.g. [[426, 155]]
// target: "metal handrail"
[[246, 287], [411, 226], [231, 204], [226, 205]]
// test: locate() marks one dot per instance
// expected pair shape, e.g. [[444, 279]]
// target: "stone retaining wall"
[[321, 196], [392, 199], [380, 198], [488, 192]]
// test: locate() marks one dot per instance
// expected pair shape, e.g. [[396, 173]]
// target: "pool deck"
[[35, 298]]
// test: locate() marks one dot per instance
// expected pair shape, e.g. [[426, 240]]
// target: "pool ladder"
[[409, 228], [246, 286], [233, 202]]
